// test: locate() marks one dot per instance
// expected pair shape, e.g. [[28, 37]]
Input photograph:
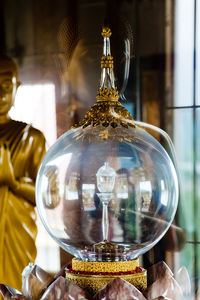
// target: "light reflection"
[[164, 194], [88, 191], [146, 194], [72, 187], [35, 105], [122, 186]]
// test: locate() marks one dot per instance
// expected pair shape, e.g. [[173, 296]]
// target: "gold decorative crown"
[[105, 94], [106, 32], [107, 111]]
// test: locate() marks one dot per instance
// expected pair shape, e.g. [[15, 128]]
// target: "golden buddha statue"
[[21, 150]]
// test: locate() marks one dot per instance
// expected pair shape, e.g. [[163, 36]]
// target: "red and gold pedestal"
[[92, 276]]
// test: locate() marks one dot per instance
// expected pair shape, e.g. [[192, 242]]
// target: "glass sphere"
[[129, 166]]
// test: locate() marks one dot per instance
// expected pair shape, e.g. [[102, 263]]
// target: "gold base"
[[93, 283], [108, 266]]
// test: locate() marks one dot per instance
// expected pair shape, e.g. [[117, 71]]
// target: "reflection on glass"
[[146, 194], [52, 187], [122, 186], [164, 197], [72, 187], [88, 191]]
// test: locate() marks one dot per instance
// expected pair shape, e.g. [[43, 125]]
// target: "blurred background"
[[57, 46]]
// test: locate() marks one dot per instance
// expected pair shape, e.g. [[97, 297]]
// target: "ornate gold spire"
[[107, 90], [107, 111]]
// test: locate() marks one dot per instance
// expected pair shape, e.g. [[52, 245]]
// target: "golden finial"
[[106, 32], [107, 111], [107, 90]]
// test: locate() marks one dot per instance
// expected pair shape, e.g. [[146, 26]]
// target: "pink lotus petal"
[[166, 287], [158, 271], [63, 289], [8, 292], [183, 280], [35, 281], [119, 289]]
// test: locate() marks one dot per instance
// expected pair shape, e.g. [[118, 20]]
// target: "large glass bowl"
[[143, 200]]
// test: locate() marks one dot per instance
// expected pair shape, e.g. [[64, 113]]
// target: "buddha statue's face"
[[8, 85]]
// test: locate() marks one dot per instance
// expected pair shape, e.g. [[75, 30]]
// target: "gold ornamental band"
[[107, 64], [107, 61], [93, 283], [105, 94], [110, 267]]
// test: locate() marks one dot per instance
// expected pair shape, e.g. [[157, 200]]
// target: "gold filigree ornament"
[[85, 274], [105, 94], [104, 266], [106, 32], [107, 61], [93, 283], [107, 116]]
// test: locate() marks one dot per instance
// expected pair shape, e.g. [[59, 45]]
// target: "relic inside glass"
[[107, 190]]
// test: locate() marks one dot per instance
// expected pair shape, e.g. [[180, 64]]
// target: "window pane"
[[184, 52], [198, 268], [197, 168], [183, 141], [198, 53]]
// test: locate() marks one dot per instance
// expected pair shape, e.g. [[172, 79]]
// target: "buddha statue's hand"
[[7, 176]]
